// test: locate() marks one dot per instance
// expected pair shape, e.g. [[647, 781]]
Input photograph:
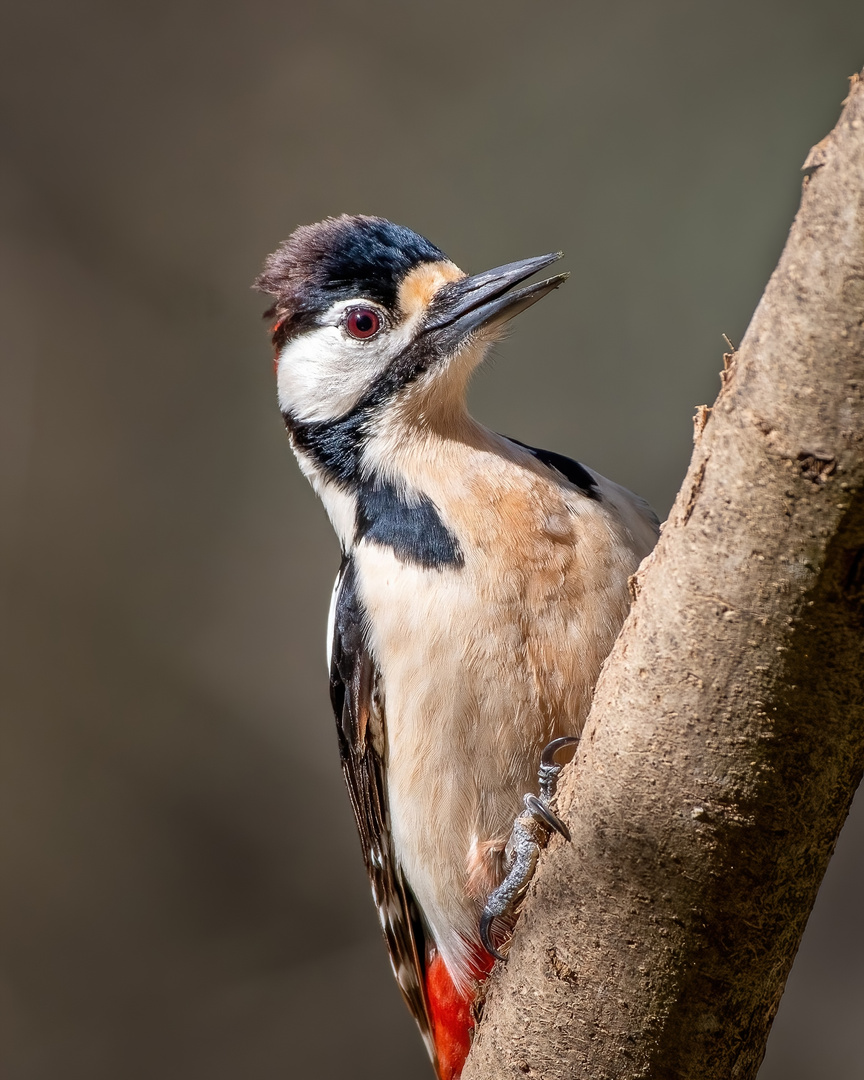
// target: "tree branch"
[[727, 734]]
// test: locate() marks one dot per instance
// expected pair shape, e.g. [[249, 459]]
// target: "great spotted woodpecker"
[[482, 585]]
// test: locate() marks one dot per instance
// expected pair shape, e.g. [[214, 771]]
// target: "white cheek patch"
[[322, 374]]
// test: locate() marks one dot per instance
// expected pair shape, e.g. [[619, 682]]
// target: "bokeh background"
[[181, 891]]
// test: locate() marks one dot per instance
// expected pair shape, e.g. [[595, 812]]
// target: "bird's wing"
[[592, 484], [360, 725], [571, 470]]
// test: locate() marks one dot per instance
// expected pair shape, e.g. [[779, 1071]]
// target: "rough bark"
[[727, 734]]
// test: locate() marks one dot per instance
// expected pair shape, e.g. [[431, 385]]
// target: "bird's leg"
[[530, 832]]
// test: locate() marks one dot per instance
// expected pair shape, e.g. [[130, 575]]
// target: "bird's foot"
[[531, 830]]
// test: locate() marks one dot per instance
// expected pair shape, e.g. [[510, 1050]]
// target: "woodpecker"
[[483, 583]]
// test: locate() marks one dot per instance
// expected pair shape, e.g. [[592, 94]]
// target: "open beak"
[[483, 301]]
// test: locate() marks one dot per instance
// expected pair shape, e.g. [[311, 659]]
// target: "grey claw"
[[541, 810], [485, 926], [547, 757], [549, 767]]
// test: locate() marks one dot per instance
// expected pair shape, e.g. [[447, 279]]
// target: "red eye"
[[363, 323]]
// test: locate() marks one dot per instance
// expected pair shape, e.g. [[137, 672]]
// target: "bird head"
[[367, 314]]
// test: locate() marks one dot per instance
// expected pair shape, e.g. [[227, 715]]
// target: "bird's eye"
[[363, 323]]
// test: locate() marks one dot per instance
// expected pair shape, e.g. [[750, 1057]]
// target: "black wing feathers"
[[571, 470], [360, 726]]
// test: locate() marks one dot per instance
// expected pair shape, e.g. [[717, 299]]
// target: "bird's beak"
[[483, 301]]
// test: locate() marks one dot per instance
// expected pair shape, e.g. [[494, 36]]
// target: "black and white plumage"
[[483, 581], [354, 685]]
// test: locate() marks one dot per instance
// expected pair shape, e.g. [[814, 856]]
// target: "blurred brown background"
[[181, 891]]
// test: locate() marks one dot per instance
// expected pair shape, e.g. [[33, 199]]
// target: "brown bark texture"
[[726, 738]]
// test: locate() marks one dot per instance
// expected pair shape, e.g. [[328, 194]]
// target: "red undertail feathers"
[[452, 1015]]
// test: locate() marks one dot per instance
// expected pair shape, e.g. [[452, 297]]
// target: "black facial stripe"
[[336, 445], [414, 531], [571, 470]]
